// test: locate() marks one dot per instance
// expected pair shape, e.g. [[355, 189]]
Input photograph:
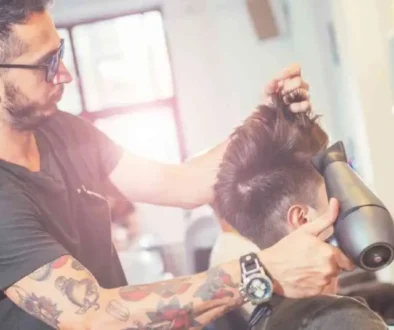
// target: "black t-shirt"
[[57, 211]]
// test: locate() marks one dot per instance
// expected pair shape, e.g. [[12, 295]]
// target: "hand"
[[301, 264], [288, 84]]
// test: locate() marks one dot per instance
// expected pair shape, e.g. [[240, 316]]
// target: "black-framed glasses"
[[51, 67]]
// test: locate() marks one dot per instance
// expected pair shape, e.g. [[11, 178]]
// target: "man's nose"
[[63, 76]]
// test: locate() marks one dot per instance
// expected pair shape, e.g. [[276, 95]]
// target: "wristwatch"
[[256, 286]]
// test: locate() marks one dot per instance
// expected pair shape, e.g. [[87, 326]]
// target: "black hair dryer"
[[364, 230]]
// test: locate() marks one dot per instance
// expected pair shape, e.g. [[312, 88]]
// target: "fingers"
[[300, 106], [327, 235], [272, 87], [296, 96], [288, 81], [342, 261], [294, 90], [324, 222], [290, 85], [293, 70]]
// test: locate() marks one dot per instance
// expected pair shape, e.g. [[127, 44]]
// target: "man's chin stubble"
[[29, 119]]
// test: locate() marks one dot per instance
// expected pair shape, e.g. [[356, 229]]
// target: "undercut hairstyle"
[[16, 12], [266, 169]]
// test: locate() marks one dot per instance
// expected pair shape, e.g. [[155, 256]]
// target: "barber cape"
[[316, 313]]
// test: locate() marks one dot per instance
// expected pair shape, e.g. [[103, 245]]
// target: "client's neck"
[[226, 227]]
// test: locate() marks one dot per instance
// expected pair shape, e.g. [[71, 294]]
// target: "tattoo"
[[169, 317], [167, 289], [216, 286], [76, 265], [118, 311], [83, 293], [40, 307], [43, 273]]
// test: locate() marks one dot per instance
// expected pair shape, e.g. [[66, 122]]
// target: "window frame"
[[170, 102]]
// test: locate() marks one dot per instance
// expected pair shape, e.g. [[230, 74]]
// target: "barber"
[[58, 268]]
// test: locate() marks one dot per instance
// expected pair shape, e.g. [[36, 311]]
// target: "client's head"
[[267, 185]]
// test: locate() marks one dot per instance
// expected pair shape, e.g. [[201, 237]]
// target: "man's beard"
[[23, 114]]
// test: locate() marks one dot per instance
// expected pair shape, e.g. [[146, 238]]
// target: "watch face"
[[259, 289]]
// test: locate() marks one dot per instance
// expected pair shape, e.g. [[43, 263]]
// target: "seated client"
[[268, 187]]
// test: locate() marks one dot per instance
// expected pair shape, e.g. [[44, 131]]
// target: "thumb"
[[271, 87], [318, 226], [291, 71]]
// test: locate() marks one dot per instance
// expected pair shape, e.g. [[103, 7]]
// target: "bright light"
[[149, 133]]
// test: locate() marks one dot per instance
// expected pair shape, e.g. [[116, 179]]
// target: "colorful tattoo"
[[216, 286], [167, 289], [83, 293], [118, 311], [43, 273], [171, 316], [40, 307], [76, 265]]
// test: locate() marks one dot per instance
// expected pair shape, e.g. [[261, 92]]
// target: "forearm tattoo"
[[83, 293], [76, 265], [118, 311], [205, 299], [41, 307], [218, 285], [169, 316], [212, 294], [167, 289], [44, 273]]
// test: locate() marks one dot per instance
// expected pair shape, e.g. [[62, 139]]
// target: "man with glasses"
[[58, 268]]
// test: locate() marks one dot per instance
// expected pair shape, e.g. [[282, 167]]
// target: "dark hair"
[[266, 169], [15, 12]]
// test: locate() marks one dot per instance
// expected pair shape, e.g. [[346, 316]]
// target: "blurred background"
[[169, 78]]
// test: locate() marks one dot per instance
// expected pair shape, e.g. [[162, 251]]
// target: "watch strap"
[[250, 264]]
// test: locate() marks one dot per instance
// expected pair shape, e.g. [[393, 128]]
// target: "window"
[[151, 133], [123, 61], [124, 82], [71, 101]]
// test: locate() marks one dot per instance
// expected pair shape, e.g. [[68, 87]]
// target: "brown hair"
[[266, 169]]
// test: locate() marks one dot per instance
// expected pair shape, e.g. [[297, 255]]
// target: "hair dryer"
[[364, 230]]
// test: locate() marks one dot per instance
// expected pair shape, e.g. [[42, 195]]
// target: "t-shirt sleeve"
[[24, 244], [109, 153], [94, 145]]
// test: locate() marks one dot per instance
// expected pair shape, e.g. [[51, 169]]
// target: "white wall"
[[363, 28], [332, 95], [363, 40]]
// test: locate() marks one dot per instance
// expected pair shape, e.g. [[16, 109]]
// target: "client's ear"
[[298, 215]]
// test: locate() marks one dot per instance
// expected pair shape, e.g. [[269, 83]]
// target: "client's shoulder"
[[323, 312]]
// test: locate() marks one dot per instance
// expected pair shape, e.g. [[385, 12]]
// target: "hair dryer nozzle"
[[334, 153]]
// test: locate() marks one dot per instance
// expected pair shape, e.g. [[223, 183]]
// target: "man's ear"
[[297, 215]]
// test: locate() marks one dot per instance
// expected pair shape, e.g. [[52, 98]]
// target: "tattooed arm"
[[66, 296]]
